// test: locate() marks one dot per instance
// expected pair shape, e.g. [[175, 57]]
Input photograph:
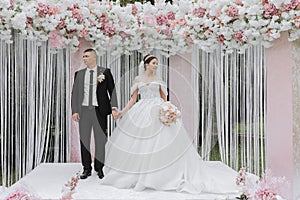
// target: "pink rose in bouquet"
[[168, 113]]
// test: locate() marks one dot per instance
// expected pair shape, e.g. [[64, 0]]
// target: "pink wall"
[[180, 88], [280, 109]]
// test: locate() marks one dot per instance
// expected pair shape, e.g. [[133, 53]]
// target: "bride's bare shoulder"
[[137, 79]]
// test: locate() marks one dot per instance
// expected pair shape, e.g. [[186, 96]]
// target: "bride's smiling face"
[[152, 66]]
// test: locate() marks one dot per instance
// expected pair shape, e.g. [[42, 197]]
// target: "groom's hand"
[[115, 114], [76, 117]]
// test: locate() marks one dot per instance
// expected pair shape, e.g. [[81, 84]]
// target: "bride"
[[145, 153]]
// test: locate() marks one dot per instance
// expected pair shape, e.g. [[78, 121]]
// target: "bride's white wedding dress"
[[144, 153]]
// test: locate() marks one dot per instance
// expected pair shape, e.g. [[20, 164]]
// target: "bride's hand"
[[120, 114]]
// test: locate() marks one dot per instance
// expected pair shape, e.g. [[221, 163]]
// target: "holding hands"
[[116, 114]]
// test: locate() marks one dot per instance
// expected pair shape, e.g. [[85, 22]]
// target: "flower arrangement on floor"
[[168, 27], [69, 188], [168, 113], [267, 188], [22, 192]]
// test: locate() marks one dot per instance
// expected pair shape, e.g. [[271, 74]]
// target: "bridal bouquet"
[[168, 113]]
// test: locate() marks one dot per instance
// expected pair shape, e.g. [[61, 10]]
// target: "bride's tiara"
[[148, 57]]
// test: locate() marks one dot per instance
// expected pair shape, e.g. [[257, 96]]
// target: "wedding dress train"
[[144, 153]]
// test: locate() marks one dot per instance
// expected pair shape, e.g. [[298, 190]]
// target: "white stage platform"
[[47, 180]]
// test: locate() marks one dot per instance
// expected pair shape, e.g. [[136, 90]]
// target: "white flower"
[[19, 21], [101, 78]]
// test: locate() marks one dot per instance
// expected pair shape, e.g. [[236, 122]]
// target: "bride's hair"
[[147, 59]]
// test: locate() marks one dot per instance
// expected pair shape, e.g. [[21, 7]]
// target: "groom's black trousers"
[[90, 119]]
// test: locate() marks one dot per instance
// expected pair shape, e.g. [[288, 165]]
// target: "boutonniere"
[[101, 78]]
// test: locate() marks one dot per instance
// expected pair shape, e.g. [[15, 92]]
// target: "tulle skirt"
[[144, 153]]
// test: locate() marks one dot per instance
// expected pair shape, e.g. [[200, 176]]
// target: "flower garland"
[[69, 188], [267, 188], [22, 191], [169, 27]]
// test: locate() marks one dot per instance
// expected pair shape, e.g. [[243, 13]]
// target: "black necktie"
[[91, 90]]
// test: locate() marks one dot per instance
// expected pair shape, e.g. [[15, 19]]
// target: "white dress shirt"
[[87, 87]]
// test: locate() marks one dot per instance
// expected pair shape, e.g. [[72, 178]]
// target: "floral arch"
[[143, 27]]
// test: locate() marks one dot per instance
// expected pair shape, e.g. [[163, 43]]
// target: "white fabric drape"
[[232, 101], [35, 99]]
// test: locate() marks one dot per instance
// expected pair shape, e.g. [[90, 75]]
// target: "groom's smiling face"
[[90, 59]]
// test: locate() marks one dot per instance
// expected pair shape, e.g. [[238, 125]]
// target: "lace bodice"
[[149, 90]]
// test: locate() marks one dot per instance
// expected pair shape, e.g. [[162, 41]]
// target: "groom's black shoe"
[[85, 174], [100, 174]]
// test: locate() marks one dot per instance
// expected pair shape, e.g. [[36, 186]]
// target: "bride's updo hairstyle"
[[147, 59]]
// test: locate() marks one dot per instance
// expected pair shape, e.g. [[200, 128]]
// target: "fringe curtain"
[[232, 102], [35, 111]]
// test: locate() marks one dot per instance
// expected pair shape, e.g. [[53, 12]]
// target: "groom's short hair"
[[90, 50]]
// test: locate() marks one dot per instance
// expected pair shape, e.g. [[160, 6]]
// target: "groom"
[[90, 106]]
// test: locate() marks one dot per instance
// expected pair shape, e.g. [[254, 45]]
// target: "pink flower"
[[232, 12], [168, 32], [139, 21], [103, 19], [239, 36], [22, 192], [241, 178], [54, 10], [134, 9], [56, 40], [29, 21], [150, 20], [68, 196], [84, 32], [221, 38], [69, 188], [182, 21], [61, 25], [199, 12], [162, 20], [188, 38], [269, 10], [297, 22], [291, 6], [173, 23], [92, 24], [239, 2], [171, 15], [43, 9], [77, 15], [123, 34], [17, 195], [109, 29], [168, 113], [72, 31], [76, 6], [269, 186]]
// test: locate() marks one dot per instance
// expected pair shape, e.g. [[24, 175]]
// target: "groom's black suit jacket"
[[106, 94]]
